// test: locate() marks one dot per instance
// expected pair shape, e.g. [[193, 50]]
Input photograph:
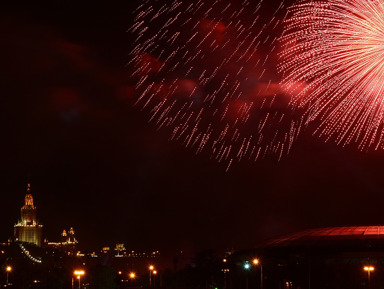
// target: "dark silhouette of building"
[[335, 257], [28, 229]]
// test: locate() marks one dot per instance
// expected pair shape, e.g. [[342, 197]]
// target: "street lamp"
[[151, 268], [78, 274], [154, 277], [132, 276], [369, 269], [8, 269], [247, 266], [257, 262], [225, 270]]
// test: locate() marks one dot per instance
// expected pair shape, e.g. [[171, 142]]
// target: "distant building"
[[68, 243], [68, 238], [28, 230], [120, 249], [105, 250]]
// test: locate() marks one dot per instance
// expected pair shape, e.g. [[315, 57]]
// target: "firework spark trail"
[[201, 72], [333, 64]]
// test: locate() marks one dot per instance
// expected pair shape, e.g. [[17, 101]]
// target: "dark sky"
[[97, 164]]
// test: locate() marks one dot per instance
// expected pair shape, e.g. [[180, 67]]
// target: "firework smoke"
[[206, 72]]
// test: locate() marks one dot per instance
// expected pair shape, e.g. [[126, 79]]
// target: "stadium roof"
[[326, 235]]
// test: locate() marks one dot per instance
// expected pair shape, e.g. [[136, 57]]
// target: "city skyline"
[[28, 229], [68, 117]]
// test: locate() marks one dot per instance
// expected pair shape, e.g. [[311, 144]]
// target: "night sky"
[[97, 165]]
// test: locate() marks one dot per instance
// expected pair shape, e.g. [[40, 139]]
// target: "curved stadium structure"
[[335, 257], [329, 236]]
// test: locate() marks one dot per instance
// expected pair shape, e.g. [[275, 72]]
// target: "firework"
[[204, 72], [333, 65]]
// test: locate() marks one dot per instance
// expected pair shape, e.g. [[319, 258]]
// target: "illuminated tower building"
[[71, 236], [68, 238], [64, 236], [27, 229]]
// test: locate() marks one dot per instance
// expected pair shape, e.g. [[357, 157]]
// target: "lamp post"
[[225, 271], [369, 269], [78, 274], [151, 268], [257, 262], [154, 278], [8, 269], [247, 266], [132, 276]]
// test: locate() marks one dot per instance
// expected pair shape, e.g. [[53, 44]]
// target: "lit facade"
[[68, 238], [28, 229], [68, 243]]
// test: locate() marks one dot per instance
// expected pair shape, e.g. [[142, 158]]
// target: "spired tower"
[[27, 229]]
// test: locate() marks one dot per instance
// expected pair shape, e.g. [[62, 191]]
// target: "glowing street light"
[[132, 276], [257, 262], [151, 268], [369, 269], [225, 270], [247, 266], [8, 269], [154, 277], [78, 274]]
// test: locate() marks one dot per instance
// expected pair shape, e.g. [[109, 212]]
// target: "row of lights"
[[255, 261], [77, 273], [80, 273], [152, 271], [132, 275]]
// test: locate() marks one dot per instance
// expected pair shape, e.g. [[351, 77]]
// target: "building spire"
[[29, 183], [28, 197]]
